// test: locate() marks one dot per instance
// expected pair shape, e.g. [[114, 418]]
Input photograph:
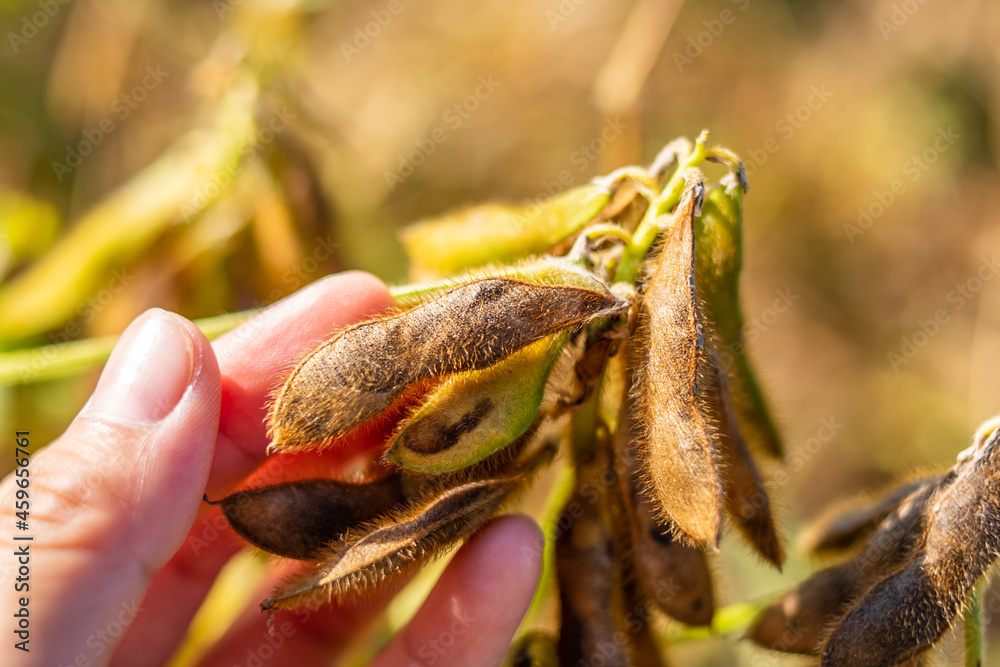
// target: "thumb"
[[112, 499]]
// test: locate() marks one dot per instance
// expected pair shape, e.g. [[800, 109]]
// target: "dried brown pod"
[[300, 519], [448, 510], [847, 524], [362, 370], [747, 499], [908, 611], [679, 456], [590, 571], [397, 543], [800, 620], [673, 575]]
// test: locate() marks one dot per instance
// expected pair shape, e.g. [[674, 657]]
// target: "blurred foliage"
[[210, 157]]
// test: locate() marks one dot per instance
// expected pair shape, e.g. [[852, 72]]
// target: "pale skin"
[[119, 523]]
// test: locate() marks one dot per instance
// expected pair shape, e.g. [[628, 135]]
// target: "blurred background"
[[210, 157]]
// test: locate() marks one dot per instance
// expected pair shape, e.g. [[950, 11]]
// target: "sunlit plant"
[[602, 325]]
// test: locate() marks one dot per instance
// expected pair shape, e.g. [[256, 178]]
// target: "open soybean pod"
[[908, 611], [678, 452], [300, 519], [746, 495], [363, 369], [473, 414], [719, 244], [800, 621], [498, 233]]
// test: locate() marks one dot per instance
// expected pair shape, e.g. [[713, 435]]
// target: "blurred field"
[[210, 157]]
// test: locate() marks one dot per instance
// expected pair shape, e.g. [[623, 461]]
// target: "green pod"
[[718, 261], [473, 414], [499, 233]]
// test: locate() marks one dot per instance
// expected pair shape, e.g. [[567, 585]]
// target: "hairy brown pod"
[[747, 499], [908, 611], [800, 620], [300, 519], [847, 524], [360, 372], [679, 456]]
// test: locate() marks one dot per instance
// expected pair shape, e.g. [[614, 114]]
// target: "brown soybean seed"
[[746, 495], [680, 460], [800, 621], [846, 524], [907, 612], [363, 369], [300, 519]]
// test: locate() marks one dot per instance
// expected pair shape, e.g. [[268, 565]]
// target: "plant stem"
[[973, 621], [648, 230]]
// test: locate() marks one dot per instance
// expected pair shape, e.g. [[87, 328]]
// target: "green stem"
[[648, 229], [61, 360], [973, 620]]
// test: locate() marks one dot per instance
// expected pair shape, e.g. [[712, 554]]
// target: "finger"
[[254, 357], [113, 497], [251, 358], [468, 620], [304, 639], [473, 612]]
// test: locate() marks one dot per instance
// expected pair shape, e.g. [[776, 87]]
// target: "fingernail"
[[148, 372]]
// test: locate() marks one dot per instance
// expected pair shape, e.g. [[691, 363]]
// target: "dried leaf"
[[498, 233], [471, 415], [719, 258], [300, 519], [746, 495], [678, 451], [360, 372], [907, 612]]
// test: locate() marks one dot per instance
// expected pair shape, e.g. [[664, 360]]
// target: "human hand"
[[119, 564]]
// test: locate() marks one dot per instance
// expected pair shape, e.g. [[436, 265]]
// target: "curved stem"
[[973, 622]]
